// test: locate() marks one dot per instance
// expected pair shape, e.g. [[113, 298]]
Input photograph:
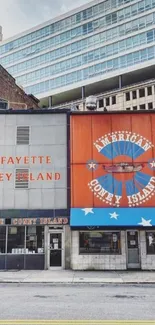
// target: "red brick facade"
[[16, 96]]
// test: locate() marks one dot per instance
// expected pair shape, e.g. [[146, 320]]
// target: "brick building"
[[15, 95]]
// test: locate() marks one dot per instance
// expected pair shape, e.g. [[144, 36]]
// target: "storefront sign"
[[113, 217], [35, 166], [38, 221], [108, 187], [25, 161]]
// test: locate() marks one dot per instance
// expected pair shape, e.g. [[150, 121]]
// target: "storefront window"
[[2, 239], [16, 237], [34, 240], [150, 242], [99, 242]]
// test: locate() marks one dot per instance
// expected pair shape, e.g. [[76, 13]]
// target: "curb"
[[77, 282]]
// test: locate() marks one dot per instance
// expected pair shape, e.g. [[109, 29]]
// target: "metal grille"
[[22, 178], [23, 133]]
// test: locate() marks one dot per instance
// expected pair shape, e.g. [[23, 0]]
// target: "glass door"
[[55, 250], [133, 257]]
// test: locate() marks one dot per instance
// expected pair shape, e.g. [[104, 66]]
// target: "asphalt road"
[[77, 302]]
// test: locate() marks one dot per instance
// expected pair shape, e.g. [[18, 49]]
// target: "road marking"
[[77, 322]]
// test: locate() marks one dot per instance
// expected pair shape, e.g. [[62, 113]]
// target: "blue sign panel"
[[113, 217]]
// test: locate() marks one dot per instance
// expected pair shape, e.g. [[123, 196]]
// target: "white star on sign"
[[92, 165], [145, 222], [152, 164], [114, 215], [87, 210]]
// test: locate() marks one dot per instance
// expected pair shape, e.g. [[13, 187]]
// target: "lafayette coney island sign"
[[25, 162], [137, 185]]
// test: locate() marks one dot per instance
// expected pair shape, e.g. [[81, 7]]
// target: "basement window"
[[23, 135]]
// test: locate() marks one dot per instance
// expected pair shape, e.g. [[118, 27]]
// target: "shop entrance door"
[[133, 256], [56, 250]]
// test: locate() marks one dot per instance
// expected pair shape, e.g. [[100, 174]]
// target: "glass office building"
[[73, 54]]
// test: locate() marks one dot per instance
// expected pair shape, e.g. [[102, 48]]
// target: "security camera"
[[91, 103]]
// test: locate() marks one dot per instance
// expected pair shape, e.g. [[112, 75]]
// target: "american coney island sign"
[[129, 182]]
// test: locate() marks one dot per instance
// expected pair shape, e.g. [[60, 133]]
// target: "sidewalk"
[[77, 277]]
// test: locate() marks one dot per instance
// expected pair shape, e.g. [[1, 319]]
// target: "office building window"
[[107, 100], [101, 103], [134, 94], [134, 108], [142, 107], [113, 100], [150, 105], [127, 96], [16, 236], [99, 242], [2, 239], [149, 91], [128, 108], [150, 242], [142, 92], [34, 240]]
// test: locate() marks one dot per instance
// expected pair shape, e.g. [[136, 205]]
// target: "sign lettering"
[[25, 161]]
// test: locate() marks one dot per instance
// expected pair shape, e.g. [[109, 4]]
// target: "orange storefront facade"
[[113, 187]]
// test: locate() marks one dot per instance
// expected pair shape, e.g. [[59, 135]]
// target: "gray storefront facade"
[[34, 190]]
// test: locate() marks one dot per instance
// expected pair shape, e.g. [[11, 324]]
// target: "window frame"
[[7, 226], [147, 232], [143, 91], [105, 232]]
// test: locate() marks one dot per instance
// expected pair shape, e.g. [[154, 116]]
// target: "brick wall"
[[16, 96]]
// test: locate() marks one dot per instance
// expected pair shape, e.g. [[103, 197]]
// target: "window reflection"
[[2, 239], [65, 23], [123, 61], [99, 242], [77, 46], [73, 33], [16, 236], [108, 50], [150, 242], [34, 240]]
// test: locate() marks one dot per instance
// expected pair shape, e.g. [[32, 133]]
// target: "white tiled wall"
[[109, 262], [96, 262]]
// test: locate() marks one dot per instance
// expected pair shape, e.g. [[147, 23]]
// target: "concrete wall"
[[97, 262], [67, 244], [48, 137]]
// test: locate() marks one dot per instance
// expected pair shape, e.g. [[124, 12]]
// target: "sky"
[[19, 15]]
